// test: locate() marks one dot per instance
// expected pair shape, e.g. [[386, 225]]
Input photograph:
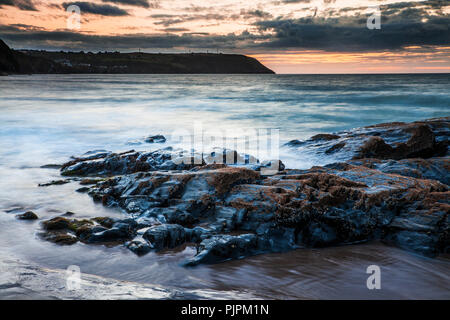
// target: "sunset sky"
[[288, 36]]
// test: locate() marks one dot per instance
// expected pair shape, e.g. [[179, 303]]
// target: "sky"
[[288, 36]]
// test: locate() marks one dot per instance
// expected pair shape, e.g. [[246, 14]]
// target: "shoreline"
[[390, 182], [237, 186]]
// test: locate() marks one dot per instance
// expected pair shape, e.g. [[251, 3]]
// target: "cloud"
[[137, 3], [99, 9], [21, 4], [247, 14], [168, 19], [401, 26], [175, 30], [56, 40]]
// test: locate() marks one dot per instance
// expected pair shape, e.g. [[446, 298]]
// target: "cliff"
[[33, 61]]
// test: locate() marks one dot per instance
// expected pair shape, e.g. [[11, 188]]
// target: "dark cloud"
[[401, 26], [21, 4], [255, 14], [296, 1], [168, 19], [137, 3], [175, 30], [18, 38], [99, 9]]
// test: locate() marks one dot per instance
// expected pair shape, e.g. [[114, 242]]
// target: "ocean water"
[[48, 118]]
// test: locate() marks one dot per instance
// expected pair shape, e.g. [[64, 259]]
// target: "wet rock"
[[53, 182], [335, 148], [139, 247], [432, 168], [227, 156], [128, 162], [60, 238], [165, 236], [422, 143], [90, 181], [233, 211], [294, 143], [324, 136], [156, 139], [58, 223], [29, 215], [114, 234], [51, 166], [396, 140], [224, 247], [106, 222], [95, 230]]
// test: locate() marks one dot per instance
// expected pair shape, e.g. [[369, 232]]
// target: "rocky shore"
[[390, 182]]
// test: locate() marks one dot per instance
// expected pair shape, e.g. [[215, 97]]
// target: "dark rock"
[[236, 211], [106, 222], [422, 143], [432, 168], [396, 140], [375, 147], [90, 181], [51, 166], [60, 238], [114, 234], [139, 247], [83, 189], [54, 182], [156, 139], [58, 223], [335, 148], [294, 143], [224, 247], [324, 136], [29, 215], [165, 236]]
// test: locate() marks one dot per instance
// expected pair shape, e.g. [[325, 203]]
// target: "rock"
[[224, 247], [156, 139], [59, 238], [53, 182], [432, 168], [114, 234], [51, 166], [29, 215], [335, 148], [106, 222], [233, 211], [294, 143], [126, 163], [396, 140], [139, 247], [422, 143], [58, 223], [95, 230], [89, 181], [165, 236], [82, 190], [324, 136]]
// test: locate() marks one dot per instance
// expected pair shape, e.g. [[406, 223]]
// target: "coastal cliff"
[[43, 62]]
